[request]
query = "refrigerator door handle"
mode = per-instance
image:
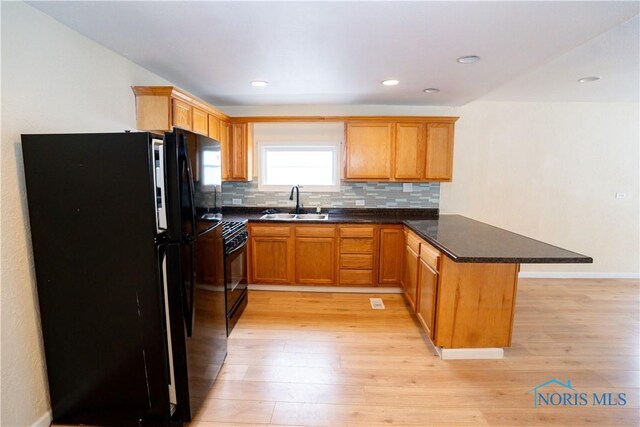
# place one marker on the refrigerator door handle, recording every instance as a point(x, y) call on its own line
point(186, 164)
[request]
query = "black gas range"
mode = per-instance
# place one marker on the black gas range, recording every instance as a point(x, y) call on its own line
point(235, 237)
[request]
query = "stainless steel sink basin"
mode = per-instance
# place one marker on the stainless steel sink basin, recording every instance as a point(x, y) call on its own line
point(294, 217)
point(279, 216)
point(315, 217)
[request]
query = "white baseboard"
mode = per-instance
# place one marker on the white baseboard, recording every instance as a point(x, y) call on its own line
point(470, 353)
point(575, 275)
point(43, 421)
point(343, 289)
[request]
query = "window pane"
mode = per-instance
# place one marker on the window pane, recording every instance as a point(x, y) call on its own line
point(294, 166)
point(211, 167)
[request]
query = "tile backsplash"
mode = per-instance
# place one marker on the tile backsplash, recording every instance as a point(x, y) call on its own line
point(375, 195)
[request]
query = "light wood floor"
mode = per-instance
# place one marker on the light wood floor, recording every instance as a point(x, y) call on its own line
point(310, 359)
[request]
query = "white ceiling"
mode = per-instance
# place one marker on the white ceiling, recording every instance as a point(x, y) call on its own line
point(338, 52)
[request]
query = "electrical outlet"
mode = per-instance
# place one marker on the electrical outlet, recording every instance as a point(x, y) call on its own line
point(236, 201)
point(621, 195)
point(359, 202)
point(407, 187)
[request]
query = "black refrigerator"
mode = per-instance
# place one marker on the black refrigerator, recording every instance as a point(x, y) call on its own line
point(129, 260)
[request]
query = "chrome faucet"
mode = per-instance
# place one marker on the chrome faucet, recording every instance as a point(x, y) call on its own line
point(299, 209)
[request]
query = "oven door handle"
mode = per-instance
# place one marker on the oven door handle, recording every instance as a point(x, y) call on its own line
point(237, 249)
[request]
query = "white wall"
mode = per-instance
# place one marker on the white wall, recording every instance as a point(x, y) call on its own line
point(550, 171)
point(53, 80)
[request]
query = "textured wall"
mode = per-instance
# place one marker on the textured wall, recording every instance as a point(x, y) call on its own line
point(375, 195)
point(551, 171)
point(53, 80)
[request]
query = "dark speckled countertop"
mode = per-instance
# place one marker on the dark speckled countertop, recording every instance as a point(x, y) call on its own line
point(461, 239)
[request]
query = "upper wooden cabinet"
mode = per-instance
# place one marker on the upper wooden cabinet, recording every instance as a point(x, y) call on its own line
point(214, 127)
point(239, 151)
point(368, 151)
point(224, 134)
point(402, 150)
point(409, 151)
point(439, 158)
point(200, 121)
point(182, 115)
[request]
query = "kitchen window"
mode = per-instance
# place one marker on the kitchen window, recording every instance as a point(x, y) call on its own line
point(314, 166)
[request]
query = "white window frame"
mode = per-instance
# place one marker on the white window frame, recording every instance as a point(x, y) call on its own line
point(300, 146)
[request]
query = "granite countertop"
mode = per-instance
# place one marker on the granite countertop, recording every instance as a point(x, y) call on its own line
point(461, 239)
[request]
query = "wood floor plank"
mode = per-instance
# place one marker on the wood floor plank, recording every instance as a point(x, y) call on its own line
point(362, 415)
point(288, 392)
point(235, 411)
point(329, 360)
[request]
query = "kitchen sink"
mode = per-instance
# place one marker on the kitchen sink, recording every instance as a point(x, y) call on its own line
point(279, 216)
point(322, 217)
point(294, 217)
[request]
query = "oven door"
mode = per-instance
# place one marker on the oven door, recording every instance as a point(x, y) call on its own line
point(236, 275)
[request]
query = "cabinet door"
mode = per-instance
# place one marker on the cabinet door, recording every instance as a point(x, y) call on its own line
point(410, 151)
point(439, 158)
point(214, 127)
point(315, 260)
point(410, 279)
point(426, 304)
point(181, 115)
point(271, 259)
point(200, 122)
point(225, 150)
point(368, 151)
point(391, 250)
point(241, 152)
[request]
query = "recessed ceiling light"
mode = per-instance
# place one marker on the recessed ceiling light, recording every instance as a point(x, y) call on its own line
point(589, 79)
point(390, 82)
point(259, 83)
point(431, 90)
point(468, 59)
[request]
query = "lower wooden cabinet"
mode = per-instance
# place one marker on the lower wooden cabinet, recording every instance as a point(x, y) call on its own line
point(357, 249)
point(410, 276)
point(460, 305)
point(315, 255)
point(390, 255)
point(271, 254)
point(427, 293)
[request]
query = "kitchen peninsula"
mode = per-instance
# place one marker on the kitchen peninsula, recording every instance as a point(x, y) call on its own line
point(459, 276)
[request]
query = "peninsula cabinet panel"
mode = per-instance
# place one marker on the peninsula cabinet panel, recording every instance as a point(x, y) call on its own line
point(271, 260)
point(427, 293)
point(200, 122)
point(391, 250)
point(439, 159)
point(315, 260)
point(409, 152)
point(181, 115)
point(368, 151)
point(475, 304)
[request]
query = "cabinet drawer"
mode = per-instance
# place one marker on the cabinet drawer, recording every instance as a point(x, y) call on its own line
point(315, 231)
point(356, 277)
point(430, 255)
point(356, 262)
point(413, 242)
point(270, 231)
point(356, 246)
point(356, 232)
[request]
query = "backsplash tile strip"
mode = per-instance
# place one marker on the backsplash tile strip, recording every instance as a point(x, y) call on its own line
point(375, 195)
